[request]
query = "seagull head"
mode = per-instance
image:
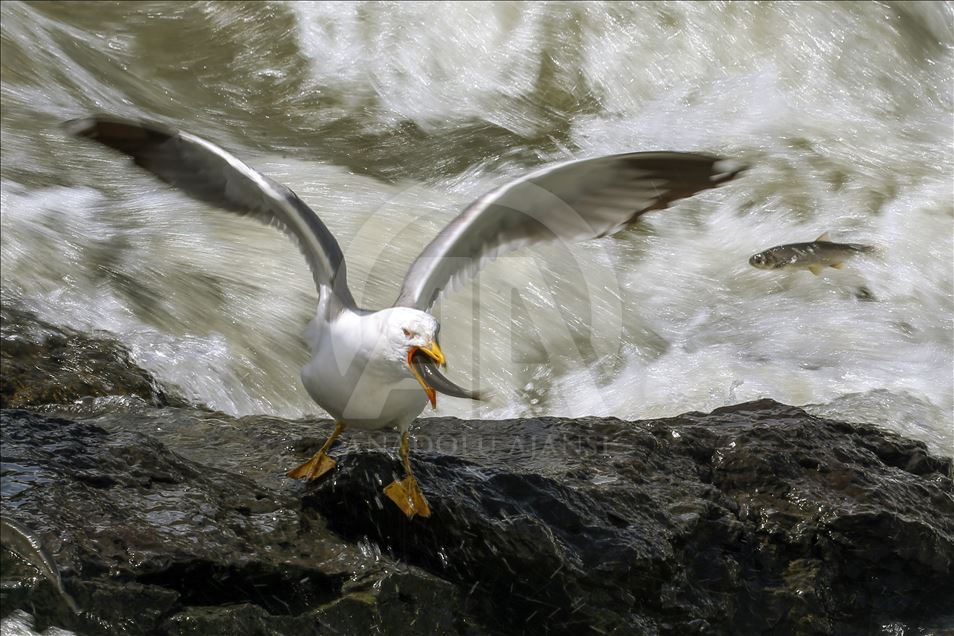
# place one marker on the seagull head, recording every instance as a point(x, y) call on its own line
point(412, 340)
point(412, 336)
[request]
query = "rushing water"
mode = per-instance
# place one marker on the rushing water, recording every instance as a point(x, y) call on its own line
point(388, 118)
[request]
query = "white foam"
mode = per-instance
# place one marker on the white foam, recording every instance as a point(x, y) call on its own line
point(844, 113)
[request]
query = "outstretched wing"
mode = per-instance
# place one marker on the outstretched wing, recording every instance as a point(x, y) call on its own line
point(211, 175)
point(572, 201)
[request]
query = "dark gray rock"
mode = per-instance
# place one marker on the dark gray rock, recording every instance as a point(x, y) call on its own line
point(754, 518)
point(42, 364)
point(151, 543)
point(169, 519)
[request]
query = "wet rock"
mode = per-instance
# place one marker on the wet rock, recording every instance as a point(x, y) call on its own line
point(171, 519)
point(42, 364)
point(754, 518)
point(410, 602)
point(149, 542)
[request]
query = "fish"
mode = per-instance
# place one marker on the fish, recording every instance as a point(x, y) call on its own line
point(22, 542)
point(435, 380)
point(814, 256)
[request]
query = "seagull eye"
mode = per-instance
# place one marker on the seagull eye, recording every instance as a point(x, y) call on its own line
point(409, 334)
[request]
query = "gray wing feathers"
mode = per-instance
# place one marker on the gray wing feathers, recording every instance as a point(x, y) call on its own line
point(211, 175)
point(573, 201)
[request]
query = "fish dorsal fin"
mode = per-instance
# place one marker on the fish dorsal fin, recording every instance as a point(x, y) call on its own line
point(824, 237)
point(815, 269)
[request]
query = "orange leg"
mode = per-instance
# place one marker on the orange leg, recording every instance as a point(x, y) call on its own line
point(406, 493)
point(320, 463)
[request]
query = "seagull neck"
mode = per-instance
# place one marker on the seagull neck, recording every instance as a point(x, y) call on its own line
point(361, 336)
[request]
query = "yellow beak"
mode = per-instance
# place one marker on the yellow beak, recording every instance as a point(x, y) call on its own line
point(433, 351)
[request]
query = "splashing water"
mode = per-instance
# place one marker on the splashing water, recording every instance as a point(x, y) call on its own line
point(388, 119)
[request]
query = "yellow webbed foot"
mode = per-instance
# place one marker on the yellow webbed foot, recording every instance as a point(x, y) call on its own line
point(408, 497)
point(314, 467)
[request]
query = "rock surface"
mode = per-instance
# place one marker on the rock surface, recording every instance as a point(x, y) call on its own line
point(42, 364)
point(150, 542)
point(755, 518)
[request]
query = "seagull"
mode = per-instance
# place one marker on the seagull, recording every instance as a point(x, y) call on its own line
point(368, 367)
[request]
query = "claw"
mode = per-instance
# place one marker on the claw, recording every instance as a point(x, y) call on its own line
point(314, 467)
point(408, 497)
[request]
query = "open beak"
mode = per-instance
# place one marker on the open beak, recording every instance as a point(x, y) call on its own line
point(432, 351)
point(423, 362)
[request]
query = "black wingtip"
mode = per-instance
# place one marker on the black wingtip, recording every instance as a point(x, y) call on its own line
point(128, 136)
